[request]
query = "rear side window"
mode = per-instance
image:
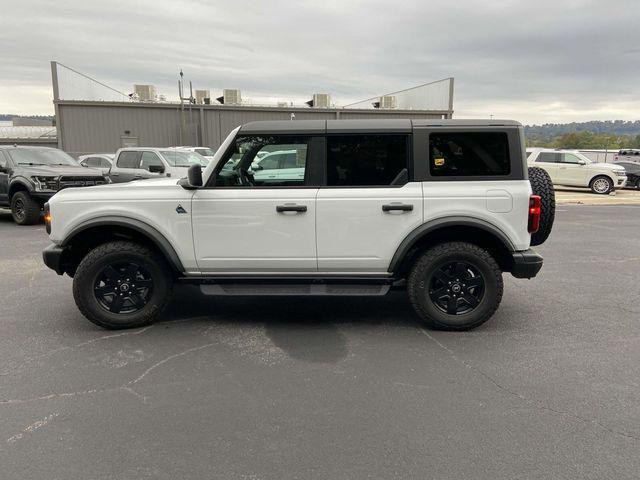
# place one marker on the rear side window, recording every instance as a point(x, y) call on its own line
point(547, 157)
point(128, 159)
point(458, 154)
point(365, 160)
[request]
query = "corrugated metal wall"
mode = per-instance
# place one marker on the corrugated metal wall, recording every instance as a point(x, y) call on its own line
point(90, 127)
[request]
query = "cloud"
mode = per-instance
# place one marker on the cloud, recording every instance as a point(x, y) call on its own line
point(532, 61)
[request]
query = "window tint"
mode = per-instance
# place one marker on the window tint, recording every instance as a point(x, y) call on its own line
point(104, 163)
point(469, 154)
point(150, 158)
point(547, 157)
point(128, 159)
point(265, 161)
point(365, 160)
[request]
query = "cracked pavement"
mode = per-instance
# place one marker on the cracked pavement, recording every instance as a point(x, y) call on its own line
point(268, 388)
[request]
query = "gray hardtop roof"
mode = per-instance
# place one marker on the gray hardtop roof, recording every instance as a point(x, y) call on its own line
point(363, 126)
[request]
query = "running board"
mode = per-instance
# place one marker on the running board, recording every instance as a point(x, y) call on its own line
point(293, 286)
point(283, 289)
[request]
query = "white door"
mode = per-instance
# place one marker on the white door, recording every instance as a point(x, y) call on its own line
point(362, 218)
point(548, 161)
point(571, 171)
point(247, 225)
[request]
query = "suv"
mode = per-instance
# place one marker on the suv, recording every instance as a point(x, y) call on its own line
point(143, 162)
point(571, 168)
point(29, 176)
point(628, 155)
point(633, 173)
point(440, 208)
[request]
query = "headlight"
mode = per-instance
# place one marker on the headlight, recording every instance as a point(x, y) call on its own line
point(620, 173)
point(45, 183)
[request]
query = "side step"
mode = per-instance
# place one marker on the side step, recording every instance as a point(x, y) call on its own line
point(340, 290)
point(293, 286)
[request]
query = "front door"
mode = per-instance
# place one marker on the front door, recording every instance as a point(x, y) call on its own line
point(367, 207)
point(571, 171)
point(247, 225)
point(125, 166)
point(4, 179)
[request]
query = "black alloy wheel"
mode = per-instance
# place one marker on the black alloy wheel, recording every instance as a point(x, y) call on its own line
point(456, 288)
point(123, 288)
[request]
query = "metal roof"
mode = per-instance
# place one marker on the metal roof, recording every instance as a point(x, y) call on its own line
point(28, 132)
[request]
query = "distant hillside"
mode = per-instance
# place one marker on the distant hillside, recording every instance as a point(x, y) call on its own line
point(550, 132)
point(25, 120)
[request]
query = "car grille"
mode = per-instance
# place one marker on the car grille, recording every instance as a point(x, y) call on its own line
point(67, 182)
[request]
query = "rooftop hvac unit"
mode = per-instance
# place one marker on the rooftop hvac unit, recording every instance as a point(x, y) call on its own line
point(230, 97)
point(145, 93)
point(386, 101)
point(203, 97)
point(320, 100)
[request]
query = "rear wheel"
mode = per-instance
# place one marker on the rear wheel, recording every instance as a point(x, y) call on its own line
point(455, 286)
point(601, 185)
point(24, 209)
point(122, 285)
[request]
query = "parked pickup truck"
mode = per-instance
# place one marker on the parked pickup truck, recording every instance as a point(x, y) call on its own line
point(439, 208)
point(573, 169)
point(143, 163)
point(29, 176)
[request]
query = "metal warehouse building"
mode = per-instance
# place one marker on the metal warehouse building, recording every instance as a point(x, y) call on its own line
point(93, 117)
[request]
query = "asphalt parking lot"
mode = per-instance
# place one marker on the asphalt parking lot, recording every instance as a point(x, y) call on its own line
point(338, 388)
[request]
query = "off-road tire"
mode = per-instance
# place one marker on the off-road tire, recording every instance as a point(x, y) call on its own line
point(542, 186)
point(24, 209)
point(94, 263)
point(420, 280)
point(601, 177)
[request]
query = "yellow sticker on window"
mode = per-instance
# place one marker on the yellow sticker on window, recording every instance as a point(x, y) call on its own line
point(438, 162)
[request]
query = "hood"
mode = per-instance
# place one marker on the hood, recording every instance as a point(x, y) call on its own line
point(147, 183)
point(58, 170)
point(610, 166)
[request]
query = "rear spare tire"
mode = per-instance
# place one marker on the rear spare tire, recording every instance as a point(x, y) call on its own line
point(542, 186)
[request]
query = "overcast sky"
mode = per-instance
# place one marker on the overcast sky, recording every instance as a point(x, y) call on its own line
point(533, 61)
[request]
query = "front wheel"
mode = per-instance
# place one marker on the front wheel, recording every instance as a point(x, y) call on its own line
point(122, 285)
point(601, 185)
point(455, 286)
point(24, 209)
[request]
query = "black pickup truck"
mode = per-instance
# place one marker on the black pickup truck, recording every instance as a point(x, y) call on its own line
point(29, 176)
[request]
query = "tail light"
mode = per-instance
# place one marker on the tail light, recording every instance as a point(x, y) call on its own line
point(535, 208)
point(47, 217)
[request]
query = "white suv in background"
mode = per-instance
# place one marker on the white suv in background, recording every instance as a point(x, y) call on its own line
point(571, 168)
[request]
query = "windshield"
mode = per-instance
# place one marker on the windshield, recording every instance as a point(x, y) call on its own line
point(37, 156)
point(183, 159)
point(206, 152)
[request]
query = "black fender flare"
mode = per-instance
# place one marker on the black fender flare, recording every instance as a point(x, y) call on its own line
point(158, 239)
point(23, 182)
point(439, 223)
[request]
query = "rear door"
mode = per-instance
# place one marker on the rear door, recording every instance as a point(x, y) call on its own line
point(549, 162)
point(366, 209)
point(125, 166)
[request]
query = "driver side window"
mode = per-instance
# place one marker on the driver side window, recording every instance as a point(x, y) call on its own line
point(265, 161)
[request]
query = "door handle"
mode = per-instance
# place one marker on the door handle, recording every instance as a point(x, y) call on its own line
point(291, 208)
point(401, 207)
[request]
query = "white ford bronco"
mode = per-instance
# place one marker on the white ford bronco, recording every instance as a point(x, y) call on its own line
point(440, 208)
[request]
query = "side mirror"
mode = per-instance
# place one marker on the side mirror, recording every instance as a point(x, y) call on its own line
point(194, 178)
point(84, 165)
point(156, 168)
point(581, 162)
point(257, 167)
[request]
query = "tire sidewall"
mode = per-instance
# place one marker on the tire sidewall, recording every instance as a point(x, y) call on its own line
point(86, 277)
point(27, 205)
point(424, 274)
